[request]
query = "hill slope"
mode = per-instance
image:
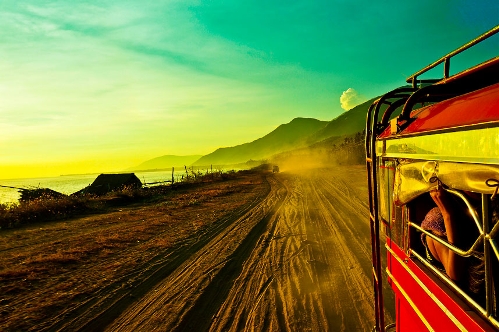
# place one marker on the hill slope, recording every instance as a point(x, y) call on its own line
point(340, 142)
point(348, 123)
point(287, 136)
point(295, 135)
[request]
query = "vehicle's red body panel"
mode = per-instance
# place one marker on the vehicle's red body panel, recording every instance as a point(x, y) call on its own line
point(474, 108)
point(437, 304)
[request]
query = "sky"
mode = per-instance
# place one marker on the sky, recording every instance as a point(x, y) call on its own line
point(100, 86)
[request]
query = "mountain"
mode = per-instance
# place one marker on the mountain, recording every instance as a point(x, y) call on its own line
point(167, 161)
point(348, 123)
point(285, 137)
point(296, 135)
point(340, 142)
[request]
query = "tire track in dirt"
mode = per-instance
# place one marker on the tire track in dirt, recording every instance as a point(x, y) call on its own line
point(311, 269)
point(342, 251)
point(344, 196)
point(108, 303)
point(188, 294)
point(298, 260)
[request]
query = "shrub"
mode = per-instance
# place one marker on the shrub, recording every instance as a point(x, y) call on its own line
point(42, 209)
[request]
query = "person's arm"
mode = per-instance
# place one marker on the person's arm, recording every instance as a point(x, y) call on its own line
point(454, 264)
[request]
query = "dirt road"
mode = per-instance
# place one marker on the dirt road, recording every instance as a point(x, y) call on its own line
point(298, 261)
point(296, 257)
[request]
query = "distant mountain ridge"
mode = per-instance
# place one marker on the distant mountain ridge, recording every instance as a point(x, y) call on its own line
point(298, 134)
point(348, 123)
point(286, 136)
point(166, 161)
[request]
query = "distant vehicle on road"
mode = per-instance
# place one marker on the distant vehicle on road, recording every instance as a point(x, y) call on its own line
point(275, 169)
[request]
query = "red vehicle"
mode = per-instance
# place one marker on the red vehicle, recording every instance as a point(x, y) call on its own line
point(436, 134)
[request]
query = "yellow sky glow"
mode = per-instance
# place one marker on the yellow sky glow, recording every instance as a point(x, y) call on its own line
point(103, 86)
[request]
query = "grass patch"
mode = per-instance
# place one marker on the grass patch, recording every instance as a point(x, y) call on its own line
point(49, 208)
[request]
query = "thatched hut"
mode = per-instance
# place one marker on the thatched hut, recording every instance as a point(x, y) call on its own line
point(105, 183)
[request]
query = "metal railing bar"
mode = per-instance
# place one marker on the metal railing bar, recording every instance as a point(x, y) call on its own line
point(472, 211)
point(489, 291)
point(447, 57)
point(495, 247)
point(460, 252)
point(494, 231)
point(453, 286)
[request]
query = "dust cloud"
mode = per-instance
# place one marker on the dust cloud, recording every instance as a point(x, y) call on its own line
point(342, 151)
point(305, 159)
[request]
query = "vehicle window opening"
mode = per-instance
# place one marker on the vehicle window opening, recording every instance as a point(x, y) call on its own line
point(477, 247)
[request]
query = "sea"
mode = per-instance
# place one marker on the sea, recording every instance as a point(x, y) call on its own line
point(68, 184)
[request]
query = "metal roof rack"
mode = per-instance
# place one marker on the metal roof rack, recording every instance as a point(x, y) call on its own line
point(413, 79)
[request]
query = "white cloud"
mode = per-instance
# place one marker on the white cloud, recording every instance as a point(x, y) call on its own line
point(350, 98)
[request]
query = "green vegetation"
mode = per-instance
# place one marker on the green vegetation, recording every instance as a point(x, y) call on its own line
point(351, 151)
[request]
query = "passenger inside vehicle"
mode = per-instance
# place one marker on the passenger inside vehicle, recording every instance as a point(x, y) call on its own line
point(450, 221)
point(447, 222)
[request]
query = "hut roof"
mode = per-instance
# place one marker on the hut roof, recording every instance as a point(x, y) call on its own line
point(105, 183)
point(117, 179)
